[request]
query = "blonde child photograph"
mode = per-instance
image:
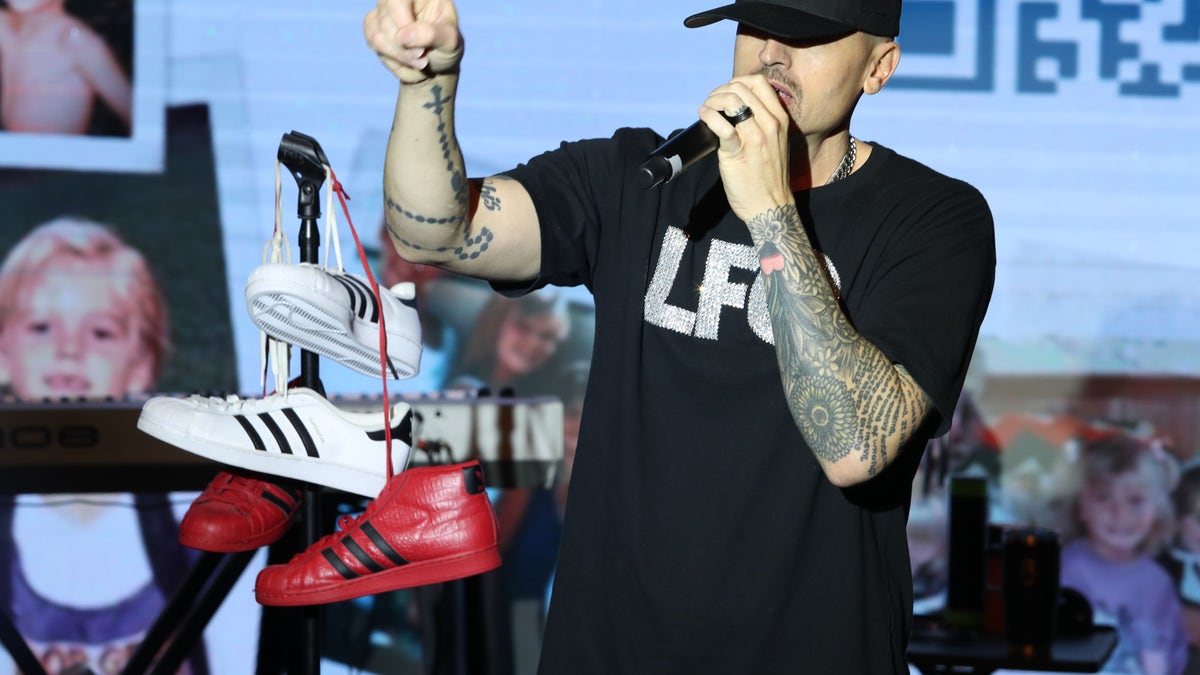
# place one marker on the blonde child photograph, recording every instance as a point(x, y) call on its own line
point(55, 69)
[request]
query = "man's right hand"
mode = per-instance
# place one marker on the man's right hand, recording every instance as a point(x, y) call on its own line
point(415, 39)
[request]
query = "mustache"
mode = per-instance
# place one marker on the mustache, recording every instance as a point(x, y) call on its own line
point(776, 74)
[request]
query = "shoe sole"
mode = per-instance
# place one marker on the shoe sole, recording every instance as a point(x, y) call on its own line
point(332, 331)
point(411, 575)
point(319, 471)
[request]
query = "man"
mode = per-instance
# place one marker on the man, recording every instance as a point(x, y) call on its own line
point(781, 330)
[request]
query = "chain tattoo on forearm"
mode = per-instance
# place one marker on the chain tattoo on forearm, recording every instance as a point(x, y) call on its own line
point(472, 246)
point(842, 391)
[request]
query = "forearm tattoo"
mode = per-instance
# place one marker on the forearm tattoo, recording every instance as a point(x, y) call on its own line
point(472, 245)
point(487, 195)
point(843, 393)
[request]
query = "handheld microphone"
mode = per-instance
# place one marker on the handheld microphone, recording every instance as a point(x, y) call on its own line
point(683, 150)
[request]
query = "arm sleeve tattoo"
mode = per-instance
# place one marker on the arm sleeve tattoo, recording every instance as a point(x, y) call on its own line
point(844, 394)
point(471, 244)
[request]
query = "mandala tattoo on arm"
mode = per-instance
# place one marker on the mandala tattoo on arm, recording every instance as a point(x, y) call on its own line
point(844, 394)
point(472, 245)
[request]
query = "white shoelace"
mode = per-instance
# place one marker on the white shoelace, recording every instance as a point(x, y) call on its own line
point(232, 403)
point(277, 250)
point(271, 351)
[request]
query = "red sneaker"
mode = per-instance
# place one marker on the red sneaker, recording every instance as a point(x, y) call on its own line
point(238, 513)
point(430, 524)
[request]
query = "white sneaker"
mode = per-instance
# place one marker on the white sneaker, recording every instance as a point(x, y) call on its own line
point(298, 435)
point(334, 314)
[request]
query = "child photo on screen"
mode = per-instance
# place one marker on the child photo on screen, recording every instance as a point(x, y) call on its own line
point(53, 67)
point(81, 317)
point(1182, 558)
point(1121, 519)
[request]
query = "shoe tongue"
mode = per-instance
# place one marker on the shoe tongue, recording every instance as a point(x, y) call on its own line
point(240, 482)
point(392, 485)
point(297, 383)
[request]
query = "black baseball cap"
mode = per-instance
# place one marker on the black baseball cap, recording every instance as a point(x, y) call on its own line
point(808, 20)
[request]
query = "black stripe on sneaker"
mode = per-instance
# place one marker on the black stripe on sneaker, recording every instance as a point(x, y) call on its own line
point(382, 545)
point(401, 432)
point(339, 566)
point(283, 506)
point(362, 555)
point(280, 439)
point(360, 290)
point(358, 297)
point(302, 431)
point(255, 439)
point(368, 298)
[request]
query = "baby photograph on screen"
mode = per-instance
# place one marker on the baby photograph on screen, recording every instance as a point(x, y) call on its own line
point(67, 67)
point(81, 84)
point(112, 287)
point(147, 246)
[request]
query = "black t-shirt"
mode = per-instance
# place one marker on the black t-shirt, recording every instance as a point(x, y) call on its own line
point(701, 535)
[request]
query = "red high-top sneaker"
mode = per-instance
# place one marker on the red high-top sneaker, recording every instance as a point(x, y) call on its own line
point(429, 525)
point(237, 512)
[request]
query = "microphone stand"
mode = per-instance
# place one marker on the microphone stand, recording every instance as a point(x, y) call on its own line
point(303, 157)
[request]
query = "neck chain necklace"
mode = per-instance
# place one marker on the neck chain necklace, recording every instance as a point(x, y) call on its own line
point(847, 164)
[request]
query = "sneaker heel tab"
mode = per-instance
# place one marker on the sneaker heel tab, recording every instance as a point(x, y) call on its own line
point(405, 290)
point(473, 479)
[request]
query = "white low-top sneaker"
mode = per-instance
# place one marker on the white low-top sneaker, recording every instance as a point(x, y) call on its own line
point(298, 435)
point(335, 314)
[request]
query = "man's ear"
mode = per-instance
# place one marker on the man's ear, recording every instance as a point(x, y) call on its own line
point(885, 56)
